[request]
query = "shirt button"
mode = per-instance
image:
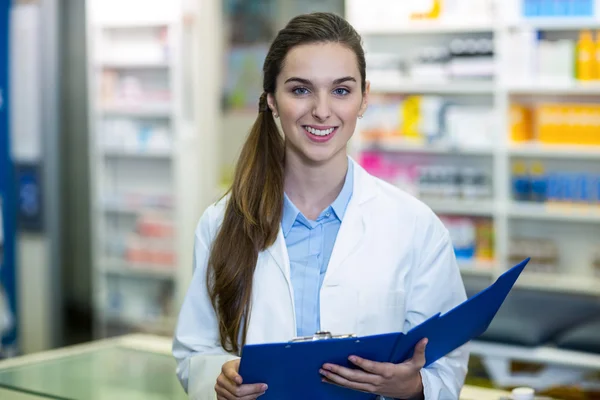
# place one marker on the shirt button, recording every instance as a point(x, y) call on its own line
point(327, 214)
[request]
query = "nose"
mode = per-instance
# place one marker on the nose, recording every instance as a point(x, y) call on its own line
point(321, 108)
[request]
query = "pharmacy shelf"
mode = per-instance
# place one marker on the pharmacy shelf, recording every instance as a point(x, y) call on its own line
point(559, 283)
point(451, 87)
point(432, 28)
point(139, 111)
point(134, 64)
point(510, 85)
point(558, 212)
point(405, 146)
point(152, 154)
point(557, 24)
point(175, 51)
point(574, 152)
point(482, 208)
point(123, 268)
point(557, 89)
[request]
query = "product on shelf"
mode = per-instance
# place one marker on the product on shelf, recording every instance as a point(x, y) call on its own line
point(548, 60)
point(535, 184)
point(427, 120)
point(553, 8)
point(149, 251)
point(430, 181)
point(127, 89)
point(472, 239)
point(574, 124)
point(135, 136)
point(521, 123)
point(543, 253)
point(447, 182)
point(137, 200)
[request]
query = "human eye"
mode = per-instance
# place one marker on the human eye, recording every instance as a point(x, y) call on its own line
point(341, 92)
point(300, 91)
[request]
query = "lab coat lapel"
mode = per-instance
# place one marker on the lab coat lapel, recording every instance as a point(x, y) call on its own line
point(278, 251)
point(348, 239)
point(354, 224)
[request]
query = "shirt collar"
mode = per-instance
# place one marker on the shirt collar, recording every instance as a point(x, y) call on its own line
point(339, 206)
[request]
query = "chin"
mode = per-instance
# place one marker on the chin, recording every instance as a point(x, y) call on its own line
point(320, 156)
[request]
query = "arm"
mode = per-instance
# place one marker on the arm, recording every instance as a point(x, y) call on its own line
point(436, 286)
point(196, 343)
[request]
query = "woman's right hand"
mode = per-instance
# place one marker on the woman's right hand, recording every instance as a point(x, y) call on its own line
point(229, 384)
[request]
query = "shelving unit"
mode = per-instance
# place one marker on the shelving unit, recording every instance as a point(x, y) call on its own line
point(152, 124)
point(571, 225)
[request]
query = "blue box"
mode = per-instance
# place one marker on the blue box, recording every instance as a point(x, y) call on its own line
point(546, 8)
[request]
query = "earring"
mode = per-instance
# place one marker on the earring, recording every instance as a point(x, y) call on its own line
point(360, 116)
point(276, 115)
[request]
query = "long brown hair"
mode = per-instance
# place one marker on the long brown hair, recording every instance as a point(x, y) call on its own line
point(255, 206)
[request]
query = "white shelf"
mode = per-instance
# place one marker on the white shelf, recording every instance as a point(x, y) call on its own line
point(482, 208)
point(559, 283)
point(433, 28)
point(120, 179)
point(558, 212)
point(574, 223)
point(123, 268)
point(134, 64)
point(558, 23)
point(141, 111)
point(566, 89)
point(452, 87)
point(124, 209)
point(164, 154)
point(574, 152)
point(404, 146)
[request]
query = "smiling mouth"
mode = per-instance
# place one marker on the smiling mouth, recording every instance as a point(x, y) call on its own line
point(318, 132)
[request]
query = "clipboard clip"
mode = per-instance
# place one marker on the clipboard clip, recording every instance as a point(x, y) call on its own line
point(321, 335)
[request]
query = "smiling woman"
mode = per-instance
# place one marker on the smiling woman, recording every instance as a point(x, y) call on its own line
point(306, 240)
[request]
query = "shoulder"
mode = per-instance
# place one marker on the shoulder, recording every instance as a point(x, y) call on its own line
point(211, 219)
point(404, 210)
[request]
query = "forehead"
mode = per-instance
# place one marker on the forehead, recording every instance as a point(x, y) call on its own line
point(320, 63)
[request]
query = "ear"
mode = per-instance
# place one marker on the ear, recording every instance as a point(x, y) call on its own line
point(365, 100)
point(272, 103)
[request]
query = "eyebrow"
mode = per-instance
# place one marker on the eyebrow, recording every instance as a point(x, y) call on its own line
point(308, 82)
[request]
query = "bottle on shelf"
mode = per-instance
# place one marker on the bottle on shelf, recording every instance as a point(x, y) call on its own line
point(585, 56)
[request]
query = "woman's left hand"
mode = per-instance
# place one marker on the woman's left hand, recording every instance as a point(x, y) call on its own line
point(398, 381)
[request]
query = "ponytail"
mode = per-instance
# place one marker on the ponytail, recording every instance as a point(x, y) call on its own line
point(250, 225)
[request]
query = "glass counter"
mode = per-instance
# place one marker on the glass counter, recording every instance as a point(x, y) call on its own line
point(112, 370)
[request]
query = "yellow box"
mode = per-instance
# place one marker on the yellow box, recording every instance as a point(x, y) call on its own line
point(521, 129)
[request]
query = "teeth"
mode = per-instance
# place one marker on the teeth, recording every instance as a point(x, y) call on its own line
point(318, 132)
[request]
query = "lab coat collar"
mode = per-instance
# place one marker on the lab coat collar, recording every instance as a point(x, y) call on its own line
point(351, 231)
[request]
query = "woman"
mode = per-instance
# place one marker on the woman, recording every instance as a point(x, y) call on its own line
point(307, 240)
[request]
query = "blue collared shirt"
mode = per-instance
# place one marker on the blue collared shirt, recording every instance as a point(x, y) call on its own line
point(309, 245)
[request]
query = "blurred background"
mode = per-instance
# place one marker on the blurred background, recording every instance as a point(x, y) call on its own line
point(120, 121)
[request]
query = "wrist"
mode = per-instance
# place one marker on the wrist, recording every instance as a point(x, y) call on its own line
point(418, 392)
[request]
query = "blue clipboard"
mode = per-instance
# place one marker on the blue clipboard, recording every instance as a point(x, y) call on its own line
point(291, 369)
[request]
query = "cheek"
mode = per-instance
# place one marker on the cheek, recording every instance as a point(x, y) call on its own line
point(291, 110)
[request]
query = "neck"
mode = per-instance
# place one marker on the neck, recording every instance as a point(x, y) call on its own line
point(313, 187)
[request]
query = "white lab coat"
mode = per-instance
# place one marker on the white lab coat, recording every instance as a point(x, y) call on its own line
point(392, 267)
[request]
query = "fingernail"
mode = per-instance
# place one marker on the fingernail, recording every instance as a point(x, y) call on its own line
point(426, 341)
point(238, 380)
point(352, 358)
point(264, 388)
